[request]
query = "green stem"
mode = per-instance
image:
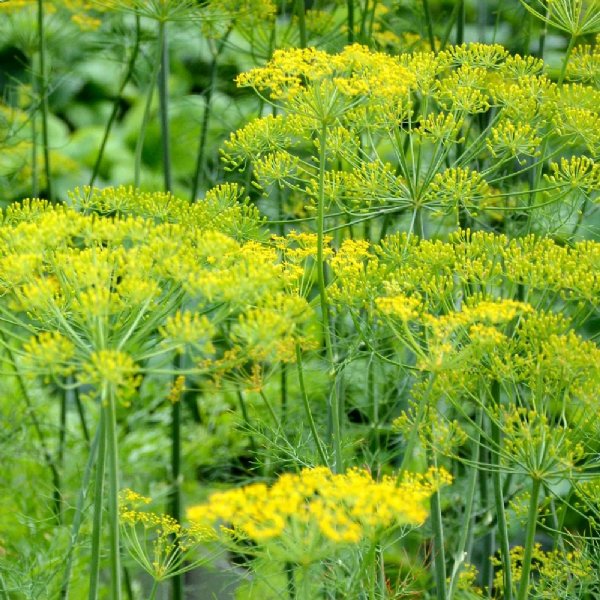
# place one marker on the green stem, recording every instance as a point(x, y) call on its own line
point(200, 159)
point(439, 554)
point(460, 23)
point(246, 418)
point(290, 580)
point(52, 466)
point(175, 508)
point(98, 506)
point(115, 109)
point(43, 91)
point(467, 524)
point(163, 98)
point(563, 70)
point(34, 149)
point(309, 416)
point(112, 452)
point(499, 496)
point(300, 11)
point(139, 146)
point(529, 539)
point(350, 10)
point(78, 517)
point(429, 24)
point(153, 590)
point(334, 408)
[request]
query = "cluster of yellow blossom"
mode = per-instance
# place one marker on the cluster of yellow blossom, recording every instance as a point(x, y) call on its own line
point(171, 542)
point(316, 508)
point(106, 292)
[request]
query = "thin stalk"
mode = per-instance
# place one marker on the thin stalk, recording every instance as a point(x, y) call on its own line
point(43, 91)
point(499, 497)
point(78, 517)
point(60, 453)
point(163, 98)
point(98, 502)
point(563, 70)
point(350, 11)
point(429, 24)
point(246, 418)
point(283, 384)
point(466, 529)
point(536, 486)
point(439, 554)
point(290, 580)
point(200, 158)
point(460, 23)
point(309, 416)
point(52, 466)
point(115, 109)
point(34, 148)
point(300, 11)
point(154, 590)
point(84, 427)
point(112, 453)
point(325, 316)
point(139, 146)
point(175, 496)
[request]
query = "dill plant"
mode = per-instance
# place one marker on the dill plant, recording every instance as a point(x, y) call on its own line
point(433, 210)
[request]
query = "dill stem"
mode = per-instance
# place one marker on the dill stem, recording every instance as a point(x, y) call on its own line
point(350, 12)
point(53, 468)
point(300, 11)
point(113, 492)
point(309, 416)
point(429, 24)
point(536, 487)
point(77, 518)
point(439, 554)
point(34, 149)
point(139, 146)
point(115, 108)
point(563, 70)
point(499, 497)
point(200, 158)
point(97, 511)
point(466, 530)
point(333, 400)
point(460, 23)
point(163, 99)
point(43, 92)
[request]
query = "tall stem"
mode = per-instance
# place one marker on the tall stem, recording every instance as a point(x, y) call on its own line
point(139, 146)
point(439, 554)
point(429, 24)
point(300, 11)
point(78, 517)
point(350, 10)
point(307, 409)
point(112, 453)
point(499, 496)
point(43, 91)
point(529, 539)
point(115, 109)
point(98, 506)
point(163, 97)
point(333, 399)
point(563, 70)
point(200, 158)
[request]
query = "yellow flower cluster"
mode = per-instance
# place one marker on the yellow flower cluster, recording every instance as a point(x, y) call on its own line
point(171, 542)
point(316, 507)
point(108, 291)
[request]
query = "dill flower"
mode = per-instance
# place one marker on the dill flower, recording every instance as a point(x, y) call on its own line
point(156, 541)
point(306, 516)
